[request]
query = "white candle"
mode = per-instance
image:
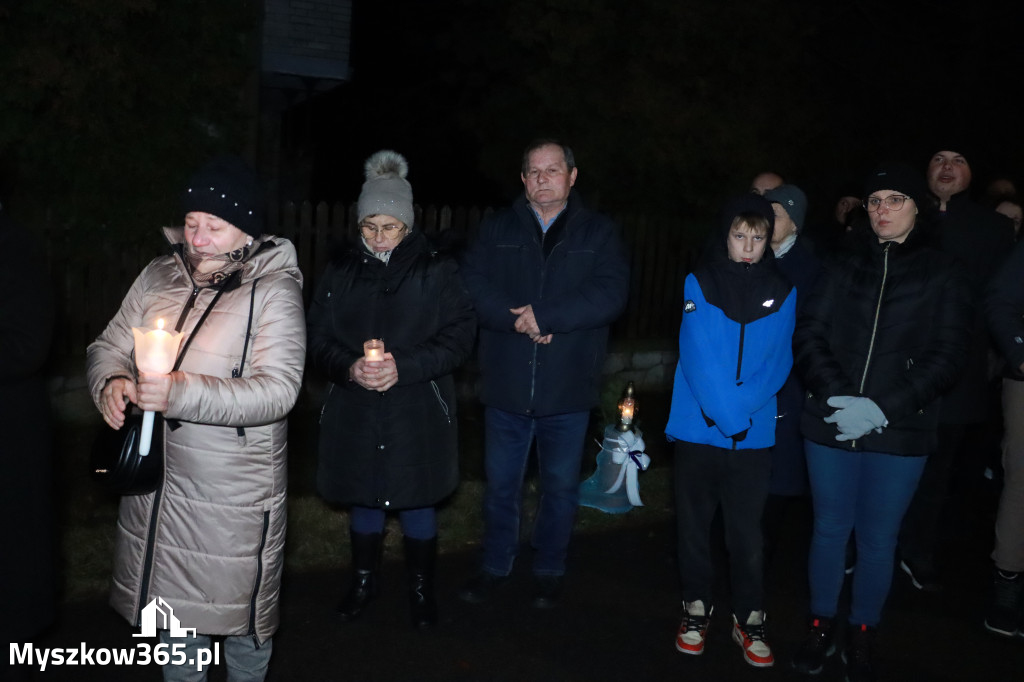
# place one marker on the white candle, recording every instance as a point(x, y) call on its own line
point(155, 351)
point(373, 350)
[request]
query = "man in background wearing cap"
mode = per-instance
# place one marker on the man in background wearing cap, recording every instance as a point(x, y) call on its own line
point(796, 261)
point(979, 239)
point(547, 278)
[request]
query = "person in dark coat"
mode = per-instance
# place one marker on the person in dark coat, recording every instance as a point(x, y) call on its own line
point(547, 277)
point(27, 575)
point(1004, 307)
point(979, 239)
point(388, 431)
point(882, 336)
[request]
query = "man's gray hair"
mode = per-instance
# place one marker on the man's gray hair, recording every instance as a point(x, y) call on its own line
point(570, 160)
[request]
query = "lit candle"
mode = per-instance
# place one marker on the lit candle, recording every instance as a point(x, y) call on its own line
point(373, 350)
point(155, 351)
point(627, 410)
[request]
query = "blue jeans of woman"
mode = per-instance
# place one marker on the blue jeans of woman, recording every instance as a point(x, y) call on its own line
point(559, 455)
point(864, 491)
point(417, 524)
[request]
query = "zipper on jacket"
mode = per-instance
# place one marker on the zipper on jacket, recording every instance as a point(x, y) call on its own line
point(444, 405)
point(259, 579)
point(874, 325)
point(739, 359)
point(540, 293)
point(147, 560)
point(323, 408)
point(189, 305)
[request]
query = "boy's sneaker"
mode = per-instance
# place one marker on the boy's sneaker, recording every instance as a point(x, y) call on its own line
point(923, 575)
point(817, 646)
point(694, 628)
point(750, 637)
point(1003, 616)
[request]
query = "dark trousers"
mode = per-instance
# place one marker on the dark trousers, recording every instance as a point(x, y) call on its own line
point(707, 477)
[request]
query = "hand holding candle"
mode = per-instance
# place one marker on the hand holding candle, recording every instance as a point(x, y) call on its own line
point(155, 352)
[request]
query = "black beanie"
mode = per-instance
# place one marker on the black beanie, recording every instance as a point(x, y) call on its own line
point(899, 177)
point(228, 188)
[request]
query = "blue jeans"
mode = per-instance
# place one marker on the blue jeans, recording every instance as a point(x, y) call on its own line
point(559, 455)
point(866, 491)
point(417, 524)
point(245, 662)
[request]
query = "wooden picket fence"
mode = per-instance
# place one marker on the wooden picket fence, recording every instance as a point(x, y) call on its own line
point(89, 283)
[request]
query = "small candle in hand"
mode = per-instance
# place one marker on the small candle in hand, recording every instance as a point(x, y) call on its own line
point(373, 350)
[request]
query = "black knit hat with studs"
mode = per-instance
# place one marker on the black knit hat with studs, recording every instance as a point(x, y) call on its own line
point(228, 188)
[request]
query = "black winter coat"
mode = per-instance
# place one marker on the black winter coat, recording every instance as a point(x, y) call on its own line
point(890, 322)
point(397, 449)
point(1004, 309)
point(979, 239)
point(28, 581)
point(576, 277)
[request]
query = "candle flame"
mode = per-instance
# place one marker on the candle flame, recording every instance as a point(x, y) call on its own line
point(160, 323)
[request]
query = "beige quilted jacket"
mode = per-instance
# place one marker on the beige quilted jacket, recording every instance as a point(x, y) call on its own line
point(210, 541)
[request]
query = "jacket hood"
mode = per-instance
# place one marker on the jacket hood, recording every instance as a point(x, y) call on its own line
point(272, 255)
point(718, 249)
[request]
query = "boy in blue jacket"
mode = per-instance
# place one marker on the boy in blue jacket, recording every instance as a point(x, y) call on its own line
point(734, 355)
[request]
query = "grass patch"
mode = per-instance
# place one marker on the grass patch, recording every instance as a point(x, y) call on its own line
point(317, 533)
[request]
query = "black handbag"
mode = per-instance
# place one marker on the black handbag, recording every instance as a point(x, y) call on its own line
point(116, 463)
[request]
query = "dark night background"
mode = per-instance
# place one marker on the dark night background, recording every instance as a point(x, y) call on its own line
point(670, 104)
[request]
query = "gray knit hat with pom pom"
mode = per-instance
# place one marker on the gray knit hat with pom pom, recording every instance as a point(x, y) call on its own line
point(386, 191)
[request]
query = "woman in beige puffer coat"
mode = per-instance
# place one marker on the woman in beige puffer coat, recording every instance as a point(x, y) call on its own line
point(209, 541)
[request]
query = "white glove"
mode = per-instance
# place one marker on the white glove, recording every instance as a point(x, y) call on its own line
point(855, 417)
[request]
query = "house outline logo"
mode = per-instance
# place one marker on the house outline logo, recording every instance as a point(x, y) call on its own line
point(159, 610)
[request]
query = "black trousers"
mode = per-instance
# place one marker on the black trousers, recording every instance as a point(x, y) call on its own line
point(707, 478)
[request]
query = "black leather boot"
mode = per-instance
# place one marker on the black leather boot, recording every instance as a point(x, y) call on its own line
point(365, 567)
point(420, 557)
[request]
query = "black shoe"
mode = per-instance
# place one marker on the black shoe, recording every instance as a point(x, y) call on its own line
point(365, 560)
point(420, 557)
point(481, 587)
point(1004, 616)
point(858, 654)
point(923, 575)
point(547, 591)
point(362, 592)
point(817, 646)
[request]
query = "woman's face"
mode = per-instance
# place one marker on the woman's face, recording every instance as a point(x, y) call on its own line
point(209, 235)
point(891, 223)
point(382, 232)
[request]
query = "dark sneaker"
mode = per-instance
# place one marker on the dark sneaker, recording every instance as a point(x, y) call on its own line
point(1003, 616)
point(923, 575)
point(694, 628)
point(481, 587)
point(750, 637)
point(817, 646)
point(858, 655)
point(547, 591)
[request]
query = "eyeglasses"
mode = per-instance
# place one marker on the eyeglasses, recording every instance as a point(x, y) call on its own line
point(390, 230)
point(893, 202)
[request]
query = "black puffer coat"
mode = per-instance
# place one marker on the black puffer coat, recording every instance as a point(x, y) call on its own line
point(397, 449)
point(890, 322)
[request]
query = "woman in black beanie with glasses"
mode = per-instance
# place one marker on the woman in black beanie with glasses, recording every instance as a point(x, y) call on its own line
point(882, 336)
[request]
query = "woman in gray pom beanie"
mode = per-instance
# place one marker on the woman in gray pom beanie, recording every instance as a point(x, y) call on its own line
point(388, 429)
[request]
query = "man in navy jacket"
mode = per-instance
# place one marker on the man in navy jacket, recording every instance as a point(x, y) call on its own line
point(547, 278)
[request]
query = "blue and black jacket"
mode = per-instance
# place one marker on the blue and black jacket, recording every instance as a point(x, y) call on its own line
point(735, 346)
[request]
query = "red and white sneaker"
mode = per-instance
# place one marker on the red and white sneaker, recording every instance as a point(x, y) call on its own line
point(694, 628)
point(750, 637)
